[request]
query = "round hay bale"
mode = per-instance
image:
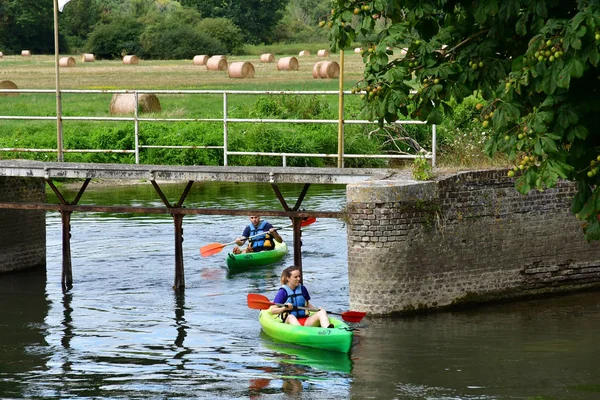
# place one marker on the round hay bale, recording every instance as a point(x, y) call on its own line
point(216, 63)
point(241, 69)
point(323, 53)
point(26, 53)
point(288, 64)
point(124, 103)
point(316, 69)
point(304, 53)
point(357, 50)
point(201, 59)
point(132, 60)
point(87, 57)
point(326, 70)
point(67, 62)
point(8, 85)
point(267, 58)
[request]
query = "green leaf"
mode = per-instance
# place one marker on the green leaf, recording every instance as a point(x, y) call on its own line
point(436, 116)
point(480, 13)
point(521, 26)
point(594, 57)
point(548, 84)
point(548, 145)
point(537, 148)
point(545, 116)
point(347, 16)
point(576, 67)
point(512, 111)
point(580, 131)
point(564, 77)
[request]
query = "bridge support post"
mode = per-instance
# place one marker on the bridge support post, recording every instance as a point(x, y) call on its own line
point(178, 221)
point(67, 267)
point(179, 271)
point(298, 244)
point(296, 223)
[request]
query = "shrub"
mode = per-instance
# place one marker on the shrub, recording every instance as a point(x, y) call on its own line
point(115, 38)
point(224, 31)
point(177, 43)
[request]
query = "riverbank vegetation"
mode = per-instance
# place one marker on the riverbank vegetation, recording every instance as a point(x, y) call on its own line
point(460, 140)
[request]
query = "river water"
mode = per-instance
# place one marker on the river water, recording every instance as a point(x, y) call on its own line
point(123, 332)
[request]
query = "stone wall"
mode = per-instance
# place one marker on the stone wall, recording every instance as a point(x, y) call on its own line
point(22, 232)
point(467, 238)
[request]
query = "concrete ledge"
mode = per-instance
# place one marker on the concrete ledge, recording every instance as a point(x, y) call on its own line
point(27, 168)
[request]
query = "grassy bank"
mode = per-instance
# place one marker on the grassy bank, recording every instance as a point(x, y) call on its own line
point(37, 72)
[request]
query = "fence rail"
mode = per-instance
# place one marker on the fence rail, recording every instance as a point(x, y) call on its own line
point(225, 120)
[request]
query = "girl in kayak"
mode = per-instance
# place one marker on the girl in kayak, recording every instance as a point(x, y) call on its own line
point(293, 294)
point(261, 242)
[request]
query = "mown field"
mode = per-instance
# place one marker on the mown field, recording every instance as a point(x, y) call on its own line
point(38, 72)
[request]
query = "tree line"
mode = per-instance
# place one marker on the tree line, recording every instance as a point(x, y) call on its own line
point(158, 29)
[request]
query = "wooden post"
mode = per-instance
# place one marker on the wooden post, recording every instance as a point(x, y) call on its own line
point(298, 245)
point(179, 274)
point(67, 269)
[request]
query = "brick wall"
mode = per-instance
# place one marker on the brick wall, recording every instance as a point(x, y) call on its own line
point(22, 232)
point(467, 238)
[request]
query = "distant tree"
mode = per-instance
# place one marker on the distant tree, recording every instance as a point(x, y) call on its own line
point(257, 19)
point(224, 31)
point(300, 22)
point(77, 21)
point(113, 40)
point(27, 24)
point(179, 34)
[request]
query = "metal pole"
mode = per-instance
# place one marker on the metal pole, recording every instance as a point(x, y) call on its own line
point(137, 130)
point(433, 144)
point(224, 129)
point(341, 114)
point(59, 133)
point(67, 269)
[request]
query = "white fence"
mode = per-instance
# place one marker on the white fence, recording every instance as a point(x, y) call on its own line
point(136, 119)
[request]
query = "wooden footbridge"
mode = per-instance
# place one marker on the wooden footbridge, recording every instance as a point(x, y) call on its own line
point(85, 172)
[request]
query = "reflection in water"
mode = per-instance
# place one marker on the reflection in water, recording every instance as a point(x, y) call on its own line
point(181, 327)
point(23, 309)
point(67, 320)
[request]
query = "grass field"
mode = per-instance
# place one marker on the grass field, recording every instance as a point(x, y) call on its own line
point(38, 72)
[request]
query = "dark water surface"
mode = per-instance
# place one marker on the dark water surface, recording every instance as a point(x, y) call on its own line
point(122, 332)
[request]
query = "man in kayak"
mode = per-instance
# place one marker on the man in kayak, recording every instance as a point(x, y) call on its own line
point(260, 242)
point(293, 294)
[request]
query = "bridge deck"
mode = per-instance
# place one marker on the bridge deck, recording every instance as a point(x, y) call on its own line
point(49, 170)
point(191, 174)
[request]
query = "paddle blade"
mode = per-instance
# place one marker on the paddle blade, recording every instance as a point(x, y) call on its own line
point(258, 301)
point(211, 249)
point(353, 316)
point(308, 221)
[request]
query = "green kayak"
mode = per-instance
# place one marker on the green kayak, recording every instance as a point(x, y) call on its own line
point(249, 260)
point(338, 338)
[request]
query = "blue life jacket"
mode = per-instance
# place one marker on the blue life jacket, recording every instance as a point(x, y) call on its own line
point(262, 242)
point(296, 299)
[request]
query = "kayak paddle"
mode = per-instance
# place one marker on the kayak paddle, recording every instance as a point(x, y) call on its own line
point(215, 248)
point(260, 302)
